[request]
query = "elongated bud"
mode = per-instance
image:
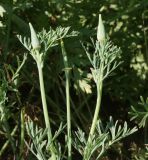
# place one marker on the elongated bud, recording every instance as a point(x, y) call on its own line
point(101, 30)
point(34, 39)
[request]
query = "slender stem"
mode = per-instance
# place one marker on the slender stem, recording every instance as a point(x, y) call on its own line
point(98, 104)
point(22, 135)
point(67, 100)
point(96, 114)
point(22, 125)
point(43, 96)
point(45, 110)
point(68, 116)
point(94, 122)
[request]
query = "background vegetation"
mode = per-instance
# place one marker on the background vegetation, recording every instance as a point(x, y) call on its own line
point(126, 25)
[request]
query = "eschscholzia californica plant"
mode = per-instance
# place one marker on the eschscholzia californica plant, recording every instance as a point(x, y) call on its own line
point(33, 45)
point(104, 62)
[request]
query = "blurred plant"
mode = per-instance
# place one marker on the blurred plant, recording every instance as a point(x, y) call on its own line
point(139, 113)
point(142, 155)
point(4, 111)
point(139, 153)
point(6, 105)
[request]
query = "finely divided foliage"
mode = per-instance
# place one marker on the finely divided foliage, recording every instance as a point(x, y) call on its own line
point(44, 144)
point(49, 38)
point(140, 112)
point(50, 76)
point(104, 137)
point(105, 56)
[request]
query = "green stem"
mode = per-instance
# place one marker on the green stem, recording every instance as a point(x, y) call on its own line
point(22, 125)
point(45, 110)
point(68, 116)
point(67, 100)
point(22, 135)
point(96, 114)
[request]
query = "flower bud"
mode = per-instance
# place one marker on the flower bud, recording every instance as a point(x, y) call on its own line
point(34, 39)
point(101, 30)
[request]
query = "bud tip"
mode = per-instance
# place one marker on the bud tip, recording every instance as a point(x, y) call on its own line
point(34, 39)
point(101, 30)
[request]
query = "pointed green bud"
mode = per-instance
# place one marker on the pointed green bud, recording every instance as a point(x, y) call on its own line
point(34, 39)
point(101, 30)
